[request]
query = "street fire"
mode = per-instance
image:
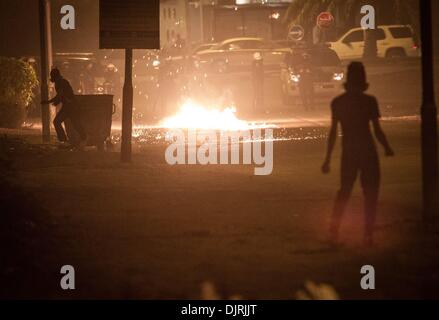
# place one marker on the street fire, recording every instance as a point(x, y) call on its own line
point(195, 116)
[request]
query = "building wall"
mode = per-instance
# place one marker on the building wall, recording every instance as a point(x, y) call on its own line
point(249, 21)
point(172, 21)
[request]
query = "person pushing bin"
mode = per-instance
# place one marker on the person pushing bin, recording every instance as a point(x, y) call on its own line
point(69, 109)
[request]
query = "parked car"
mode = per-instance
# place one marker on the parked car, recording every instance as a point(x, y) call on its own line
point(202, 47)
point(326, 71)
point(237, 54)
point(393, 41)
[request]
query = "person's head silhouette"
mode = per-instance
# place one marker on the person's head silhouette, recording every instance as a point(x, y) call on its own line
point(356, 78)
point(55, 75)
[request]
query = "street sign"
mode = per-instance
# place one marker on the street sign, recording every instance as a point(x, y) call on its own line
point(129, 24)
point(296, 33)
point(325, 20)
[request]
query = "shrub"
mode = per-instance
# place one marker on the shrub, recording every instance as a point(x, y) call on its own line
point(17, 81)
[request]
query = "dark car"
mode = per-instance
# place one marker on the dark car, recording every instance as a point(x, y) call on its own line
point(237, 54)
point(326, 70)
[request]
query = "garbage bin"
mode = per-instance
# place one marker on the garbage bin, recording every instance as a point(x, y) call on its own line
point(96, 112)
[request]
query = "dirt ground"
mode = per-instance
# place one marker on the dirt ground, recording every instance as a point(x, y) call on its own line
point(148, 230)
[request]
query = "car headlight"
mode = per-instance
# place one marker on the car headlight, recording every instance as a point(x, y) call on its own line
point(338, 76)
point(295, 77)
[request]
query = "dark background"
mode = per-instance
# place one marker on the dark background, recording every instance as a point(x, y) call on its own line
point(19, 30)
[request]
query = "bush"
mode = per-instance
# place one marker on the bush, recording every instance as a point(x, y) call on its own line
point(17, 81)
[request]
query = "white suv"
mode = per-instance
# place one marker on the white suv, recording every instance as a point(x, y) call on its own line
point(393, 41)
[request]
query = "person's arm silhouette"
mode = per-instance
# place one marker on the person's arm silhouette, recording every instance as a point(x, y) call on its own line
point(381, 137)
point(55, 100)
point(379, 133)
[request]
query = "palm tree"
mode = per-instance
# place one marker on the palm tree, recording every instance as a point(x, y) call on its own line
point(304, 12)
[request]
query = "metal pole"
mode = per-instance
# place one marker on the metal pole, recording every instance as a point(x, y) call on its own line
point(127, 107)
point(45, 112)
point(428, 116)
point(49, 35)
point(49, 54)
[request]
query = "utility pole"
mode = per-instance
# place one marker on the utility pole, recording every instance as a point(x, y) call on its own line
point(44, 64)
point(428, 117)
point(127, 107)
point(49, 36)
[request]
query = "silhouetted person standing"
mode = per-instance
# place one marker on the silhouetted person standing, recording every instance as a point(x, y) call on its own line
point(306, 83)
point(355, 110)
point(69, 110)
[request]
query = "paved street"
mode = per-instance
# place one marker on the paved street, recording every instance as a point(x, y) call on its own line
point(247, 236)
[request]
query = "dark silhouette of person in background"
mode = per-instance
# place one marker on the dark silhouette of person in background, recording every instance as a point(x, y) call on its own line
point(355, 110)
point(88, 79)
point(306, 83)
point(69, 110)
point(73, 74)
point(258, 81)
point(167, 96)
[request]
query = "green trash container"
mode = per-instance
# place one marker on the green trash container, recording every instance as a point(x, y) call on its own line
point(96, 113)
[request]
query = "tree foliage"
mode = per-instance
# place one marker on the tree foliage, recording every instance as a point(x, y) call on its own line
point(17, 82)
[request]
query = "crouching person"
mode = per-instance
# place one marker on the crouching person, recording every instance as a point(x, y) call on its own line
point(69, 109)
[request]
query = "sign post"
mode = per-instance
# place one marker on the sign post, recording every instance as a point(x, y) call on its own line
point(45, 65)
point(296, 33)
point(129, 24)
point(127, 108)
point(325, 20)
